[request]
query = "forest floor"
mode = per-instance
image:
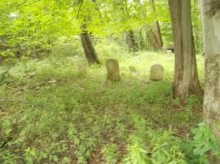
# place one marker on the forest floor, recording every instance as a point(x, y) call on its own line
point(51, 114)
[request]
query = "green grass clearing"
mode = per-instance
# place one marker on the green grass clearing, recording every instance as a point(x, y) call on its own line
point(50, 114)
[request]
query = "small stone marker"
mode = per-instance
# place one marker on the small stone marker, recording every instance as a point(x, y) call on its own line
point(113, 72)
point(156, 72)
point(81, 69)
point(132, 70)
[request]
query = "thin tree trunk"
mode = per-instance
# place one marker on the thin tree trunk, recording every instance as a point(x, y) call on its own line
point(154, 32)
point(86, 41)
point(141, 40)
point(88, 48)
point(211, 26)
point(151, 35)
point(158, 34)
point(186, 81)
point(157, 29)
point(130, 38)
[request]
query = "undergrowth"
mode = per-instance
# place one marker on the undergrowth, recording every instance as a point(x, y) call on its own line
point(51, 114)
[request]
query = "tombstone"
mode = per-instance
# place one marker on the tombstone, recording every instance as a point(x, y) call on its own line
point(81, 69)
point(132, 70)
point(156, 72)
point(113, 72)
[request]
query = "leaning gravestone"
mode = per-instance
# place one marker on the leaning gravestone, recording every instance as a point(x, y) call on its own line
point(113, 72)
point(156, 72)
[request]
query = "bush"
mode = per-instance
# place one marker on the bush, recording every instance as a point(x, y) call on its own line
point(64, 47)
point(203, 144)
point(110, 49)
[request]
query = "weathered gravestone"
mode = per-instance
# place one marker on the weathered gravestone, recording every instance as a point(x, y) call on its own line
point(113, 72)
point(133, 71)
point(81, 69)
point(156, 72)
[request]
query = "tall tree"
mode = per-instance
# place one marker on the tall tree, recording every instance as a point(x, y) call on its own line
point(89, 49)
point(131, 41)
point(130, 34)
point(154, 33)
point(186, 79)
point(211, 26)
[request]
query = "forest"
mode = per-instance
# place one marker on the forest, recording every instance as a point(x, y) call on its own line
point(109, 81)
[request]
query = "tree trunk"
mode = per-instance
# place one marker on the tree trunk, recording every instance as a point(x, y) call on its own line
point(186, 79)
point(88, 48)
point(130, 38)
point(157, 29)
point(153, 39)
point(211, 26)
point(154, 33)
point(158, 34)
point(141, 40)
point(86, 41)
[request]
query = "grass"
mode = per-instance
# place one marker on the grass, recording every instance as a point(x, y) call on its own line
point(50, 114)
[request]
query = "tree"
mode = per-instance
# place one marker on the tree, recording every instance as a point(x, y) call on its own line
point(154, 33)
point(130, 35)
point(211, 26)
point(89, 49)
point(186, 79)
point(197, 26)
point(24, 29)
point(130, 38)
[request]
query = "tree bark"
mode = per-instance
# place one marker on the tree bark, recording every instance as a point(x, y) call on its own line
point(211, 26)
point(131, 41)
point(141, 40)
point(86, 41)
point(186, 79)
point(157, 29)
point(88, 48)
point(154, 32)
point(158, 34)
point(130, 37)
point(153, 39)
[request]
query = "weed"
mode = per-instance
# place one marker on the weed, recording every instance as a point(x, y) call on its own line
point(111, 153)
point(203, 144)
point(51, 115)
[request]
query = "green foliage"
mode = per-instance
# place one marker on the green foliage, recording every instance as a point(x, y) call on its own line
point(193, 100)
point(166, 149)
point(31, 27)
point(203, 144)
point(50, 114)
point(197, 26)
point(110, 153)
point(108, 48)
point(149, 146)
point(64, 47)
point(136, 153)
